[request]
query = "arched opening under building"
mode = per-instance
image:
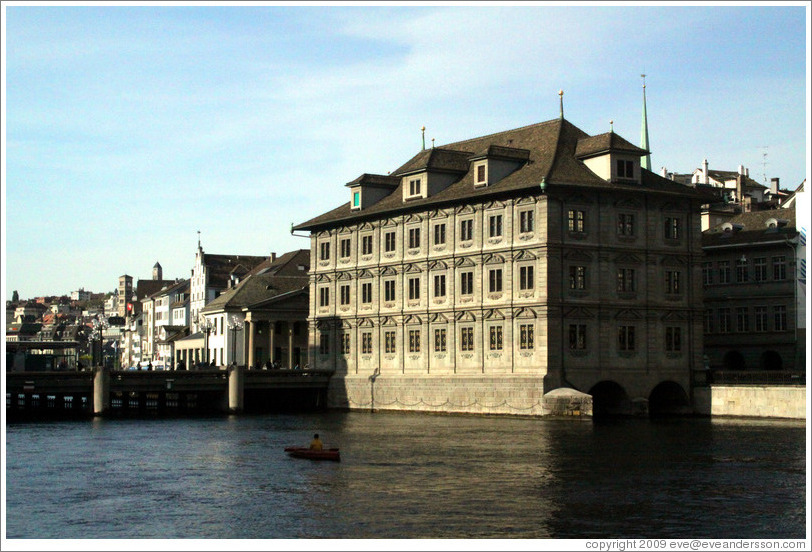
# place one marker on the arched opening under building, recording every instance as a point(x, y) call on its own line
point(771, 360)
point(733, 361)
point(668, 398)
point(610, 399)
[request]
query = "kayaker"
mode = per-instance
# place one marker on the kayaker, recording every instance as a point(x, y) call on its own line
point(316, 444)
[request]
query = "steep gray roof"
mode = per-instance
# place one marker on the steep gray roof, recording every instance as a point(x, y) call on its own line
point(552, 156)
point(753, 228)
point(255, 289)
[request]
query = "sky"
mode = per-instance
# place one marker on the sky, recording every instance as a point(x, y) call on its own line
point(129, 128)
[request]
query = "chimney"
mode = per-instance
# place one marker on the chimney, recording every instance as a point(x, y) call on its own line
point(747, 172)
point(774, 186)
point(273, 256)
point(664, 172)
point(705, 172)
point(741, 170)
point(740, 190)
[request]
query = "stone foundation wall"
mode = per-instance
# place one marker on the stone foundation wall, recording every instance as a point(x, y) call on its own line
point(507, 395)
point(759, 401)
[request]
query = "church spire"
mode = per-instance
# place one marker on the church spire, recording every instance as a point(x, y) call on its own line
point(646, 161)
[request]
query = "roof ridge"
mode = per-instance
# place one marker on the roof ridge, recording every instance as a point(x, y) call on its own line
point(502, 132)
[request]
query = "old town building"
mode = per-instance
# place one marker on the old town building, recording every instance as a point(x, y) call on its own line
point(485, 273)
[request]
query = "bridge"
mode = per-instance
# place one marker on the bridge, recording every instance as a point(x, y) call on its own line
point(102, 392)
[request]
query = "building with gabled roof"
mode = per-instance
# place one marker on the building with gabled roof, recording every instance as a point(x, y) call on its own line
point(484, 273)
point(264, 318)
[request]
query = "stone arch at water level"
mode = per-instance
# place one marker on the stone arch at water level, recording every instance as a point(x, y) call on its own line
point(668, 398)
point(610, 399)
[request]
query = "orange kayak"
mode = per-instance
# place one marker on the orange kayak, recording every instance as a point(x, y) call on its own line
point(307, 452)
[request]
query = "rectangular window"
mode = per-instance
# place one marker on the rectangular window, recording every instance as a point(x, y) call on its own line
point(707, 321)
point(526, 222)
point(466, 339)
point(760, 319)
point(467, 283)
point(439, 340)
point(724, 320)
point(345, 248)
point(625, 169)
point(578, 277)
point(439, 285)
point(414, 187)
point(345, 344)
point(466, 230)
point(526, 337)
point(780, 268)
point(741, 271)
point(480, 174)
point(324, 344)
point(672, 228)
point(526, 280)
point(366, 292)
point(356, 199)
point(575, 220)
point(780, 313)
point(389, 342)
point(724, 272)
point(414, 288)
point(625, 225)
point(673, 339)
point(672, 282)
point(496, 338)
point(414, 341)
point(414, 238)
point(366, 245)
point(389, 290)
point(495, 280)
point(577, 337)
point(389, 242)
point(439, 234)
point(625, 338)
point(495, 226)
point(742, 319)
point(625, 279)
point(366, 343)
point(707, 273)
point(760, 269)
point(324, 297)
point(324, 251)
point(344, 294)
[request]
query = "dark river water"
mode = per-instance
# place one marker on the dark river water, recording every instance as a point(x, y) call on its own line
point(405, 476)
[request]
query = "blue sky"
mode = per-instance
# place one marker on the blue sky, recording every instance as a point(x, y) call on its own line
point(130, 128)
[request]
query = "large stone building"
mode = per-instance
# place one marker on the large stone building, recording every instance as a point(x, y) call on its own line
point(485, 273)
point(754, 289)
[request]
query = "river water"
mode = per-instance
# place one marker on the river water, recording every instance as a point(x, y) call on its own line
point(406, 476)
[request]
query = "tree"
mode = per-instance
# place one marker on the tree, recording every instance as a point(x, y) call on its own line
point(15, 296)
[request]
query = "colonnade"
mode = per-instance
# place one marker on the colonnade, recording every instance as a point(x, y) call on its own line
point(254, 340)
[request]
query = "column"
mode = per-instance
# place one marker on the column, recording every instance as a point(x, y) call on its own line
point(236, 387)
point(271, 332)
point(290, 344)
point(251, 334)
point(101, 391)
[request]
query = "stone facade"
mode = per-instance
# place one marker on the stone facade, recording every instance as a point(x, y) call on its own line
point(484, 302)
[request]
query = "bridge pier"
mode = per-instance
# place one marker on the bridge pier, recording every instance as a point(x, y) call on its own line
point(236, 389)
point(101, 391)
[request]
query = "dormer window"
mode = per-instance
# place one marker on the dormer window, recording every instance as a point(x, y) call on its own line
point(625, 168)
point(481, 174)
point(414, 186)
point(356, 199)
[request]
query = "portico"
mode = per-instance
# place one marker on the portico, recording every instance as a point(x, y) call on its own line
point(280, 341)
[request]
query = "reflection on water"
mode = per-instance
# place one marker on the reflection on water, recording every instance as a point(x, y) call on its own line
point(406, 476)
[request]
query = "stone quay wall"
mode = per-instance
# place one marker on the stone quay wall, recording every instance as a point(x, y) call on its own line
point(759, 401)
point(508, 395)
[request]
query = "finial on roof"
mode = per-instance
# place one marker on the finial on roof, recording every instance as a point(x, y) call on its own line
point(423, 129)
point(198, 239)
point(611, 127)
point(561, 102)
point(432, 143)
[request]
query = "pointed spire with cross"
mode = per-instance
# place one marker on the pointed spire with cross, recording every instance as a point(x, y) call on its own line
point(645, 162)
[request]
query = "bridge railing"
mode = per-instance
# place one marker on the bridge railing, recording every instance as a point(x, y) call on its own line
point(754, 377)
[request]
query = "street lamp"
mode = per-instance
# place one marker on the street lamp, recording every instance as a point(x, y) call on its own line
point(235, 325)
point(205, 326)
point(99, 325)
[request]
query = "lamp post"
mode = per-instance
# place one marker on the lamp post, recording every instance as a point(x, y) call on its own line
point(235, 325)
point(99, 325)
point(206, 326)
